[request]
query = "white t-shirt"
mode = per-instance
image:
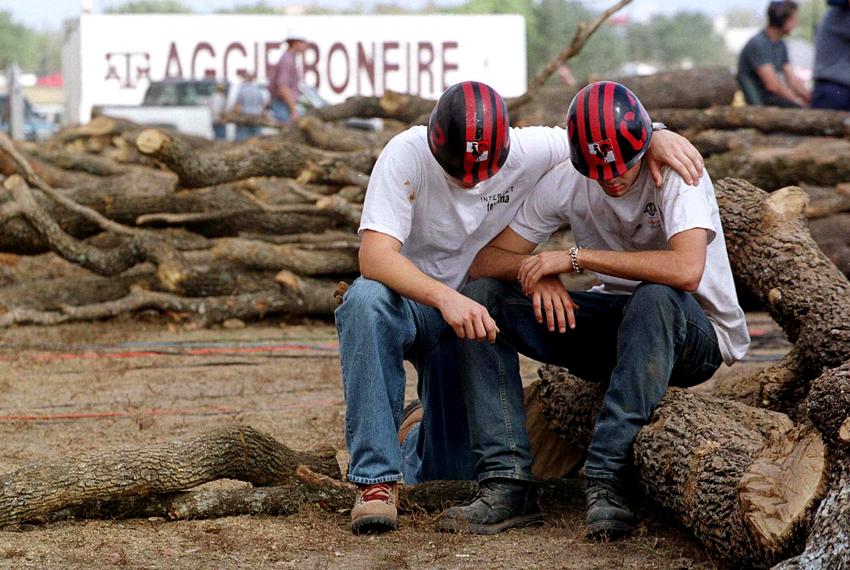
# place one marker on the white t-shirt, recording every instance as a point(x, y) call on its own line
point(442, 226)
point(645, 218)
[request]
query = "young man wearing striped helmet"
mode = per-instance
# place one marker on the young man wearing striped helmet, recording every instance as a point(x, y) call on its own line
point(436, 196)
point(665, 311)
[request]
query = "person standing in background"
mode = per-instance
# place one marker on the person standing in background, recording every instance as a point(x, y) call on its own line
point(285, 78)
point(764, 71)
point(218, 104)
point(832, 58)
point(251, 101)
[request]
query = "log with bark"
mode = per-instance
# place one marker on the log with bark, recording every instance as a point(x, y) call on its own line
point(828, 544)
point(745, 480)
point(156, 481)
point(773, 254)
point(682, 89)
point(809, 122)
point(258, 157)
point(819, 161)
point(239, 453)
point(409, 109)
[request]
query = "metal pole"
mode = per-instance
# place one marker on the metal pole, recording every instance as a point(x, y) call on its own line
point(16, 103)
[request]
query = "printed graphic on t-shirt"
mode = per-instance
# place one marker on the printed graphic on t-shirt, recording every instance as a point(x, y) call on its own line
point(494, 200)
point(652, 212)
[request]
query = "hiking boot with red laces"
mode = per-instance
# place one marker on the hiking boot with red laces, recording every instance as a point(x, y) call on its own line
point(375, 508)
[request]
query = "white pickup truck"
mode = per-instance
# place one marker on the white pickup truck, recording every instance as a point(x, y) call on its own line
point(176, 103)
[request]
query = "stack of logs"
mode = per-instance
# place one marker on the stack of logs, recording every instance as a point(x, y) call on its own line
point(758, 470)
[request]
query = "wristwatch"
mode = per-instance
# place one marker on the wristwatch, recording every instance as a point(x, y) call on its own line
point(658, 126)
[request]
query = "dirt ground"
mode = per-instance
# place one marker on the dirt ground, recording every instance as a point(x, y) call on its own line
point(72, 389)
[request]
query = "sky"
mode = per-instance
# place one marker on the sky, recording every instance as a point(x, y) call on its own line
point(49, 14)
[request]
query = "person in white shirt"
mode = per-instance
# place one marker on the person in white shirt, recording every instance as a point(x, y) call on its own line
point(436, 196)
point(665, 311)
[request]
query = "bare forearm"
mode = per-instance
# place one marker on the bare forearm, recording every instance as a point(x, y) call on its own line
point(782, 90)
point(799, 88)
point(665, 267)
point(286, 95)
point(497, 263)
point(401, 275)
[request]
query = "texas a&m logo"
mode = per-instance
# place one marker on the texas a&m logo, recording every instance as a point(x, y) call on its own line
point(602, 150)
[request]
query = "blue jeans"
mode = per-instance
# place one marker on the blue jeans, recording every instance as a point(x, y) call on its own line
point(635, 344)
point(246, 131)
point(220, 131)
point(831, 95)
point(379, 329)
point(280, 110)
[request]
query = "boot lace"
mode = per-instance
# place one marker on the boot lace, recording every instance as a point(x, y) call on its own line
point(378, 492)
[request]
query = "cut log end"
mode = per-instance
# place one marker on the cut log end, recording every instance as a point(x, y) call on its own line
point(288, 279)
point(782, 486)
point(787, 204)
point(392, 102)
point(150, 141)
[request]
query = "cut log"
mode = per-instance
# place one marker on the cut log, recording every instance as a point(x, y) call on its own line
point(50, 295)
point(240, 453)
point(126, 198)
point(772, 253)
point(691, 89)
point(745, 480)
point(811, 122)
point(289, 295)
point(328, 136)
point(99, 126)
point(828, 544)
point(260, 157)
point(817, 161)
point(266, 256)
point(140, 247)
point(391, 105)
point(716, 141)
point(53, 175)
point(152, 481)
point(76, 161)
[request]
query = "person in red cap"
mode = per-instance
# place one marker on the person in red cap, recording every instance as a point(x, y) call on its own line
point(436, 195)
point(665, 311)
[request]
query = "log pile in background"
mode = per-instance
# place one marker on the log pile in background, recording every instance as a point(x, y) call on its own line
point(175, 223)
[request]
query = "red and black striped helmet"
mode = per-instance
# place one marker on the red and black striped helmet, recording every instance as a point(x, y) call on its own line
point(468, 132)
point(609, 130)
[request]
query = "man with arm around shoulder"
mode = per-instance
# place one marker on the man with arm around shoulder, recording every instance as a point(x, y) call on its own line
point(665, 312)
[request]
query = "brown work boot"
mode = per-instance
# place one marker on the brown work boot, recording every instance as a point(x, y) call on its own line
point(375, 509)
point(411, 416)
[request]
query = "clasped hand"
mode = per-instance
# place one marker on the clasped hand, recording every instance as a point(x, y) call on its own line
point(552, 302)
point(534, 267)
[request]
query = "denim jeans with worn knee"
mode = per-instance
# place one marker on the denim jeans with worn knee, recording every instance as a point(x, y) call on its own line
point(379, 329)
point(636, 345)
